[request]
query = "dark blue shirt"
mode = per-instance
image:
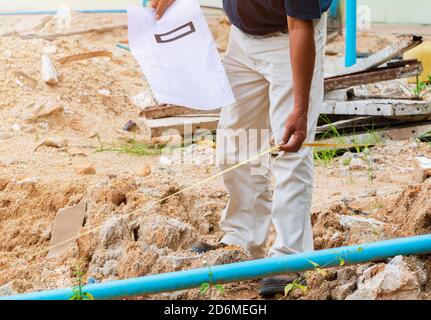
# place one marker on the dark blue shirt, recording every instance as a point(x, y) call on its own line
point(259, 17)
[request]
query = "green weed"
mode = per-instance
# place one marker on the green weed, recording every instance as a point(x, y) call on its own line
point(78, 275)
point(208, 287)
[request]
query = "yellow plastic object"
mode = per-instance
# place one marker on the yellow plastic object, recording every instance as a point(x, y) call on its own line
point(423, 54)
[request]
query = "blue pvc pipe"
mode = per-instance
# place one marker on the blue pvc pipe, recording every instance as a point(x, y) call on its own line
point(243, 270)
point(350, 33)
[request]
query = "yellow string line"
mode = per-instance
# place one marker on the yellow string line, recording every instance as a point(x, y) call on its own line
point(240, 164)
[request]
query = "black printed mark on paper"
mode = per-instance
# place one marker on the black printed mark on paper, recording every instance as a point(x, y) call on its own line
point(176, 34)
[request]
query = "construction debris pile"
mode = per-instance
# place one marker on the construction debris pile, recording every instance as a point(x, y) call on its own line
point(79, 155)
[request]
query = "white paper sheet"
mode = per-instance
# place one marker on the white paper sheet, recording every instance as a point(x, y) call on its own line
point(179, 57)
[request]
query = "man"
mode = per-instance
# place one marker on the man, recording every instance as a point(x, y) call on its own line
point(275, 66)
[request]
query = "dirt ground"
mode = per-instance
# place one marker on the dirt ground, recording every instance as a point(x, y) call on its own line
point(49, 159)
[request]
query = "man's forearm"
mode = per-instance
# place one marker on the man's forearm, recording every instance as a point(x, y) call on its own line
point(302, 55)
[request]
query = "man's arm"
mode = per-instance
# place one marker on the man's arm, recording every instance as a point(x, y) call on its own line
point(161, 6)
point(302, 56)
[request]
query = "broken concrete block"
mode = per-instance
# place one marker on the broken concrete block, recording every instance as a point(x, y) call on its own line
point(49, 74)
point(393, 281)
point(362, 229)
point(165, 232)
point(144, 100)
point(353, 221)
point(114, 231)
point(173, 263)
point(422, 169)
point(104, 263)
point(66, 226)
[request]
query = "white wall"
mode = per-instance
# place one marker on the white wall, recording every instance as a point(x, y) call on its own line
point(399, 11)
point(77, 4)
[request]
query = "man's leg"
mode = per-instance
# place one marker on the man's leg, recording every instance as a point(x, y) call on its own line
point(294, 172)
point(243, 132)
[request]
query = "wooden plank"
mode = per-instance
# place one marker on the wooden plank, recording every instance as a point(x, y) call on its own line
point(51, 37)
point(66, 226)
point(377, 107)
point(168, 110)
point(395, 133)
point(342, 94)
point(183, 126)
point(345, 124)
point(373, 76)
point(383, 56)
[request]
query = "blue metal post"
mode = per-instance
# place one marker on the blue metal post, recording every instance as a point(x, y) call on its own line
point(350, 33)
point(243, 270)
point(333, 10)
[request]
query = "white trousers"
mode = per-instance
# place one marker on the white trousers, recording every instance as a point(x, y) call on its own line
point(260, 74)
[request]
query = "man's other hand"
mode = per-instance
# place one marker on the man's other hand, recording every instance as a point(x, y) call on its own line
point(295, 132)
point(161, 6)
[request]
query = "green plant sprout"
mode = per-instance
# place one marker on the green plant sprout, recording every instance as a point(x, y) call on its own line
point(297, 284)
point(422, 87)
point(208, 287)
point(78, 275)
point(326, 155)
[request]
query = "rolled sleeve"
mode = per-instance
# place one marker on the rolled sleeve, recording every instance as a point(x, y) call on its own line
point(303, 9)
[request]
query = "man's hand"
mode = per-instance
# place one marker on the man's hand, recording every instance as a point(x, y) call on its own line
point(295, 132)
point(161, 6)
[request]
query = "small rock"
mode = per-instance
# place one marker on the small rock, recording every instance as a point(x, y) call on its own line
point(204, 228)
point(76, 152)
point(50, 50)
point(165, 162)
point(7, 53)
point(422, 169)
point(346, 158)
point(7, 290)
point(46, 235)
point(84, 169)
point(16, 128)
point(47, 109)
point(53, 143)
point(104, 92)
point(49, 74)
point(357, 164)
point(31, 180)
point(130, 126)
point(145, 171)
point(5, 135)
point(372, 193)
